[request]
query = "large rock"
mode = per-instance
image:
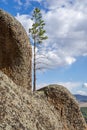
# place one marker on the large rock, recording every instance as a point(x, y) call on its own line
point(15, 50)
point(51, 108)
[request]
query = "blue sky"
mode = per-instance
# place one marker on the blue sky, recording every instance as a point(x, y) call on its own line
point(66, 47)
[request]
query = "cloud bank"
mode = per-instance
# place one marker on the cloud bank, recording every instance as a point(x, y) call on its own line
point(66, 29)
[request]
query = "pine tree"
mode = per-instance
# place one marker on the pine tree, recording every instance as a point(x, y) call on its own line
point(37, 33)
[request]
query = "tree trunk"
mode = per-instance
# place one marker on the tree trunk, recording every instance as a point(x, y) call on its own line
point(34, 68)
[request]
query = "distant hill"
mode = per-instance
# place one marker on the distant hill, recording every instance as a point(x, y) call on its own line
point(83, 104)
point(81, 98)
point(84, 112)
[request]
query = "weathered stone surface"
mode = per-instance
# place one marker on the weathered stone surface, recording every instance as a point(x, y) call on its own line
point(15, 50)
point(51, 108)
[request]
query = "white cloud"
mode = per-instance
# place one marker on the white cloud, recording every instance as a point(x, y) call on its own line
point(56, 3)
point(66, 29)
point(82, 92)
point(25, 20)
point(70, 60)
point(71, 86)
point(24, 4)
point(75, 4)
point(85, 85)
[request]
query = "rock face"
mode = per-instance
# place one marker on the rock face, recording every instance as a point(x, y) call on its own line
point(51, 108)
point(15, 50)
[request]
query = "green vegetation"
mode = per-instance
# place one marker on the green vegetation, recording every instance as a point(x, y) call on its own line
point(84, 112)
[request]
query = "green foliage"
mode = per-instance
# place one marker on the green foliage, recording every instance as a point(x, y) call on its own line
point(37, 31)
point(84, 112)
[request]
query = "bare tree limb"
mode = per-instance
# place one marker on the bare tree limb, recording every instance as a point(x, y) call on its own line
point(43, 68)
